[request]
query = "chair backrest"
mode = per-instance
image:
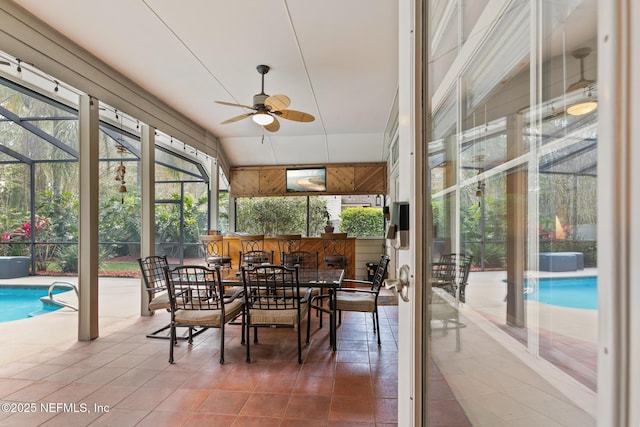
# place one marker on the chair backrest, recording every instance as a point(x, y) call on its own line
point(381, 272)
point(195, 287)
point(152, 268)
point(288, 243)
point(334, 249)
point(304, 259)
point(445, 269)
point(253, 242)
point(213, 245)
point(464, 266)
point(271, 287)
point(252, 251)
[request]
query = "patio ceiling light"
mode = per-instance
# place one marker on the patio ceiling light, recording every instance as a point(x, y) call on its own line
point(262, 118)
point(586, 106)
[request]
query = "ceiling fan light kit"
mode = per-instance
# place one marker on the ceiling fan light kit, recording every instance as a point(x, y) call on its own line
point(583, 107)
point(262, 118)
point(268, 107)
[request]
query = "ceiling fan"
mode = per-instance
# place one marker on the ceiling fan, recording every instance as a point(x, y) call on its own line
point(267, 109)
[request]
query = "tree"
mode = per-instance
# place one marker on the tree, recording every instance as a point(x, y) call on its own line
point(361, 221)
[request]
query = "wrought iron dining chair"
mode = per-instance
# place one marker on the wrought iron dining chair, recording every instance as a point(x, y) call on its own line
point(252, 251)
point(215, 251)
point(334, 250)
point(152, 269)
point(273, 299)
point(443, 273)
point(307, 262)
point(451, 273)
point(363, 300)
point(197, 299)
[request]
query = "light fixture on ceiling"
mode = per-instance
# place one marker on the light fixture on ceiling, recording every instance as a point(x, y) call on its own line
point(582, 108)
point(585, 106)
point(262, 118)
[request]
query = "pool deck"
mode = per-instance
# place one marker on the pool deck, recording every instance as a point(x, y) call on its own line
point(119, 304)
point(486, 292)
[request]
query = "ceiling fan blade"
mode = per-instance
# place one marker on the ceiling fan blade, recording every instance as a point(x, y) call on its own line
point(296, 116)
point(231, 104)
point(273, 126)
point(277, 102)
point(237, 118)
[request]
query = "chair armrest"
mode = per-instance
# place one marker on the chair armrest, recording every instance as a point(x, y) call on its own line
point(307, 296)
point(365, 291)
point(237, 294)
point(360, 282)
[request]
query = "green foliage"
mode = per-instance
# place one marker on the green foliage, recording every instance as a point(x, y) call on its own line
point(120, 222)
point(63, 210)
point(223, 212)
point(271, 215)
point(194, 217)
point(280, 215)
point(68, 258)
point(361, 221)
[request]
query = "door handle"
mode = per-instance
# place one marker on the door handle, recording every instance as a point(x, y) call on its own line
point(400, 285)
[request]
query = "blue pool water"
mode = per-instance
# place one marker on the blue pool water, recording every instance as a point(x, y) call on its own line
point(574, 292)
point(20, 302)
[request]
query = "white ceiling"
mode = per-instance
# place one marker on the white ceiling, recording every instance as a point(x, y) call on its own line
point(335, 59)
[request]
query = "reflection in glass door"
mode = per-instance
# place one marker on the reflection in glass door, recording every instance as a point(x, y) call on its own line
point(513, 176)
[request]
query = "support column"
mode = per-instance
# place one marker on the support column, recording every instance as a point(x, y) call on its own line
point(88, 224)
point(517, 218)
point(214, 191)
point(148, 197)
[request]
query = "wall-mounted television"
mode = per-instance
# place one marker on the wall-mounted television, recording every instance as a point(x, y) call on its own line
point(306, 180)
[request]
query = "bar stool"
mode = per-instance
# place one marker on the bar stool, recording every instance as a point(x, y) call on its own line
point(287, 245)
point(214, 251)
point(334, 247)
point(252, 251)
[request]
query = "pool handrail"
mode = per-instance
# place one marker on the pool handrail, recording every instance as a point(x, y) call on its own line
point(60, 284)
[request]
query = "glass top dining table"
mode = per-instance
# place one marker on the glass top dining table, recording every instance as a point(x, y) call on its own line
point(329, 279)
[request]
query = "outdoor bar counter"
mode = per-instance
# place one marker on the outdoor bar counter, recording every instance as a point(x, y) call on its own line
point(311, 244)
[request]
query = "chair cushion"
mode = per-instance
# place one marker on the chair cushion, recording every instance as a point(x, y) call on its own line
point(356, 301)
point(160, 302)
point(232, 290)
point(255, 259)
point(334, 259)
point(208, 317)
point(277, 317)
point(218, 259)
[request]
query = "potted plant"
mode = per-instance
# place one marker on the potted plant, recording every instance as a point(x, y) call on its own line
point(328, 228)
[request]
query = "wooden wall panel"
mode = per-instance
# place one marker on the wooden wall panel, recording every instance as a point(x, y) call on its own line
point(370, 179)
point(353, 179)
point(245, 181)
point(272, 181)
point(340, 180)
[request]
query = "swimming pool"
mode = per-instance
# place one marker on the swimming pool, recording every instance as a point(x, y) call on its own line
point(22, 301)
point(574, 292)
